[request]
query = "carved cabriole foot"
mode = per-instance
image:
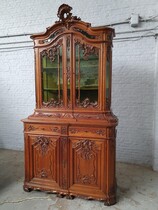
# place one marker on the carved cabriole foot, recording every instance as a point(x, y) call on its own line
point(60, 195)
point(71, 197)
point(27, 189)
point(110, 201)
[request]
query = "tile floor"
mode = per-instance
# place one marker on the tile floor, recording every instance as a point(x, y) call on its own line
point(137, 189)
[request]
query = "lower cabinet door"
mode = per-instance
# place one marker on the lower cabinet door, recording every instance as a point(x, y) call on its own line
point(41, 161)
point(88, 167)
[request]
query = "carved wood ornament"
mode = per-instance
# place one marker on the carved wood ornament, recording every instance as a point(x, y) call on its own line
point(86, 148)
point(65, 15)
point(101, 132)
point(70, 138)
point(52, 52)
point(43, 142)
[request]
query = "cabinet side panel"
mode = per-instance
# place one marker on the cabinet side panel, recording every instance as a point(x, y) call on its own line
point(111, 178)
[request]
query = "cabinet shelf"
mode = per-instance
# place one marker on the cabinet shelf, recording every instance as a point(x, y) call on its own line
point(50, 68)
point(81, 88)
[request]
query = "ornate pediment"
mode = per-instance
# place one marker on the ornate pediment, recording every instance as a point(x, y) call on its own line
point(64, 14)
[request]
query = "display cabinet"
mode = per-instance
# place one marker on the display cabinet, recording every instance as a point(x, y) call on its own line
point(70, 137)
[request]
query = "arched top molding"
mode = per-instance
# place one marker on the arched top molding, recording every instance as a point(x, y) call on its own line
point(68, 23)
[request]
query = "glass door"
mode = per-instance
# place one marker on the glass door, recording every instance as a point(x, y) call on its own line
point(87, 74)
point(52, 76)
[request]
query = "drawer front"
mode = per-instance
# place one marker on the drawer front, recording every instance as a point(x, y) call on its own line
point(88, 132)
point(45, 128)
point(98, 132)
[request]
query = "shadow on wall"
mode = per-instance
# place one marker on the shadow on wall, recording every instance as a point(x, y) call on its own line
point(133, 102)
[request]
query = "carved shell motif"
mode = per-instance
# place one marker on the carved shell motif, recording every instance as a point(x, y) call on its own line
point(64, 14)
point(87, 148)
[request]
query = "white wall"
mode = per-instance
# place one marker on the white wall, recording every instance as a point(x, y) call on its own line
point(134, 69)
point(155, 142)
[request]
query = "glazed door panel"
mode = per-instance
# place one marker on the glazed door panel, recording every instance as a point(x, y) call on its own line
point(87, 165)
point(51, 61)
point(43, 153)
point(86, 74)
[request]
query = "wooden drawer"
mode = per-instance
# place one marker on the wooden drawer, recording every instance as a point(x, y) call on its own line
point(87, 132)
point(45, 128)
point(108, 132)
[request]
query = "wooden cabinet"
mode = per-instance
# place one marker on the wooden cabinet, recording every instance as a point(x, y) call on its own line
point(70, 137)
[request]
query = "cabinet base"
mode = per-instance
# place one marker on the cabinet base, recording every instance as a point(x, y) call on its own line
point(110, 201)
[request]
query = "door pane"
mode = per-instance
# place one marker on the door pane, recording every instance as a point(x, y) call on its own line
point(52, 77)
point(87, 64)
point(68, 71)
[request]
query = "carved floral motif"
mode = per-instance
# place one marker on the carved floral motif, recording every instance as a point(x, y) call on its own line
point(49, 115)
point(31, 128)
point(87, 103)
point(86, 148)
point(74, 130)
point(53, 103)
point(87, 49)
point(108, 117)
point(89, 116)
point(63, 130)
point(43, 142)
point(43, 173)
point(52, 52)
point(86, 179)
point(101, 132)
point(56, 129)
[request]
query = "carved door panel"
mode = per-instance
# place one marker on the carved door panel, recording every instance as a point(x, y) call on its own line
point(87, 165)
point(43, 159)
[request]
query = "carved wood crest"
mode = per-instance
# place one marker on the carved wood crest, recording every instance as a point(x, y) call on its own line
point(64, 14)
